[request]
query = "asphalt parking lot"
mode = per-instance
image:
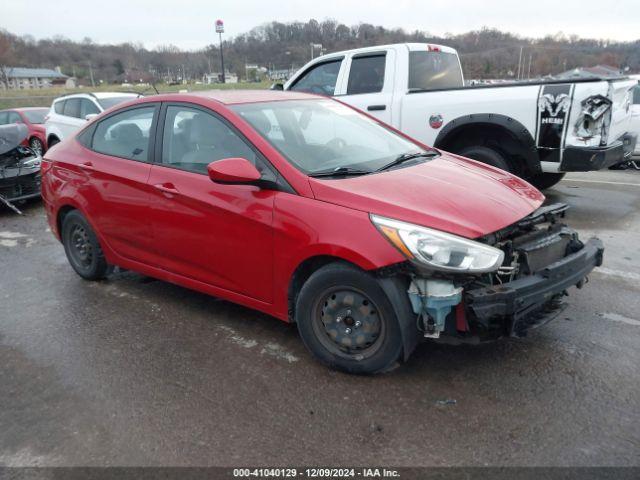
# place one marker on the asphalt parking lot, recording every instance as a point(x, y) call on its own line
point(133, 371)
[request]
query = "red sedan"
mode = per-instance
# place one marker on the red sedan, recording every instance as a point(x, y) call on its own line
point(33, 118)
point(315, 213)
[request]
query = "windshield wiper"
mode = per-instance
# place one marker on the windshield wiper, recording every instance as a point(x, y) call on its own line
point(340, 172)
point(405, 157)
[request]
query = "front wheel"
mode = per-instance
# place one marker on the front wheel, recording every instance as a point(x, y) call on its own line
point(347, 322)
point(546, 180)
point(37, 146)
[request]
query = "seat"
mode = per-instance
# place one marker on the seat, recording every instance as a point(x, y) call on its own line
point(210, 140)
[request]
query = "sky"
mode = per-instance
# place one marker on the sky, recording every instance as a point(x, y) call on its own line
point(189, 24)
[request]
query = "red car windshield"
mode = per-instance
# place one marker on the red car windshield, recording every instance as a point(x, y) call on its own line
point(316, 135)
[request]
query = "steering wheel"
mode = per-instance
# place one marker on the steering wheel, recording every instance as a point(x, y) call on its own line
point(336, 144)
point(319, 89)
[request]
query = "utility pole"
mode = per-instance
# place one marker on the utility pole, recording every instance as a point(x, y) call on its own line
point(93, 83)
point(220, 30)
point(529, 69)
point(519, 63)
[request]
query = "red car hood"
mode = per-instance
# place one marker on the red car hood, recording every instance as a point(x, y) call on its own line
point(449, 193)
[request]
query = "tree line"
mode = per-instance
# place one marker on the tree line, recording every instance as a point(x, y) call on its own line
point(485, 53)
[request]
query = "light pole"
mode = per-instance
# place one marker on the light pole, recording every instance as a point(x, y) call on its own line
point(315, 45)
point(220, 31)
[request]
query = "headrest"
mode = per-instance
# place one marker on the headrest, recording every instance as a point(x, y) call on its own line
point(206, 130)
point(127, 132)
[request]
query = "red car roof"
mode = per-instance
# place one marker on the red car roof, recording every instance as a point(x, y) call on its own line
point(22, 109)
point(230, 97)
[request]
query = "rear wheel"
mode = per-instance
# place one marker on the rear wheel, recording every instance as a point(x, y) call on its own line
point(346, 320)
point(486, 155)
point(546, 180)
point(82, 247)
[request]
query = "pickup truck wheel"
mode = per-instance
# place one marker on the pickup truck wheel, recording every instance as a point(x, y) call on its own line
point(546, 180)
point(347, 322)
point(486, 155)
point(82, 247)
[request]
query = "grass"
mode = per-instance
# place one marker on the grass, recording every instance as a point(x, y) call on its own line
point(42, 97)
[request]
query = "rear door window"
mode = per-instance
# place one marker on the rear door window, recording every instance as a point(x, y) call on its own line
point(72, 108)
point(434, 70)
point(320, 79)
point(4, 118)
point(366, 74)
point(126, 134)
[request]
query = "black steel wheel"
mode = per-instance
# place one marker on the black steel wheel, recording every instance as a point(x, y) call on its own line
point(82, 247)
point(346, 320)
point(487, 155)
point(546, 180)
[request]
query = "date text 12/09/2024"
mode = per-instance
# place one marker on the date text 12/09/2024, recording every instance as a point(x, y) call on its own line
point(315, 473)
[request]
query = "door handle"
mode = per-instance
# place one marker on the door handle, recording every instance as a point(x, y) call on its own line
point(87, 166)
point(166, 188)
point(373, 108)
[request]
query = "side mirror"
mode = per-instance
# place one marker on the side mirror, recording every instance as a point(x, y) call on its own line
point(277, 86)
point(233, 171)
point(90, 116)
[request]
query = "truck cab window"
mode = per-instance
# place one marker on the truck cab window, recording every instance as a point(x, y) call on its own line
point(366, 75)
point(434, 71)
point(320, 79)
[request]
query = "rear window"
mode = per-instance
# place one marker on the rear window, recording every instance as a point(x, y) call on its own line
point(434, 70)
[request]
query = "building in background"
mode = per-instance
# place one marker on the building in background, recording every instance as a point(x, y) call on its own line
point(209, 78)
point(19, 78)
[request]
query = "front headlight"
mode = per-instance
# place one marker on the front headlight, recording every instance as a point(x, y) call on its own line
point(438, 250)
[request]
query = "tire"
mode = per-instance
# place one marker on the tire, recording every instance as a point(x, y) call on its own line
point(52, 141)
point(486, 155)
point(362, 341)
point(36, 145)
point(546, 180)
point(82, 247)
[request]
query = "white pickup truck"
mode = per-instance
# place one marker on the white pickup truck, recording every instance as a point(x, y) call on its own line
point(535, 130)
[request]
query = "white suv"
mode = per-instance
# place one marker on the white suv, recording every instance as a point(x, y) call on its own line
point(71, 112)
